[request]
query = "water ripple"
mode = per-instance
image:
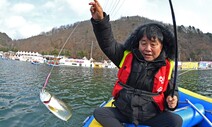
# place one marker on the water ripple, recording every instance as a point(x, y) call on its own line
point(83, 89)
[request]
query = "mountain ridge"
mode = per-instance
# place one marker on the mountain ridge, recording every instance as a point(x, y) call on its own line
point(193, 43)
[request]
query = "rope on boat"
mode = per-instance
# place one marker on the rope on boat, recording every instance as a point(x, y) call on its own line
point(193, 106)
point(209, 111)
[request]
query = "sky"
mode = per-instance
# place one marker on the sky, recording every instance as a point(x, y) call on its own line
point(21, 19)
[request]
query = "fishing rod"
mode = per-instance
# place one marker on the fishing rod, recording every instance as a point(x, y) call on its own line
point(176, 65)
point(176, 47)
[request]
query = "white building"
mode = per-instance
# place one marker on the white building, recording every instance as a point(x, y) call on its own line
point(29, 56)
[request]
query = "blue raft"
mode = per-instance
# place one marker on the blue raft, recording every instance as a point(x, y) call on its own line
point(195, 110)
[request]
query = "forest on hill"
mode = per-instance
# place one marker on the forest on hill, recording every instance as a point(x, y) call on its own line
point(4, 41)
point(193, 43)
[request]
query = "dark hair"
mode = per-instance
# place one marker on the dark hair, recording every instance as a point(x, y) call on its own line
point(153, 31)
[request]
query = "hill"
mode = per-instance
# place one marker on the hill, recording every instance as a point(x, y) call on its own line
point(4, 40)
point(193, 43)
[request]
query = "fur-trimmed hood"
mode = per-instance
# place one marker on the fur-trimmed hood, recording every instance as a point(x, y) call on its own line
point(168, 39)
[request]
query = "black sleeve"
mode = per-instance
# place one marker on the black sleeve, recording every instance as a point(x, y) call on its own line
point(104, 35)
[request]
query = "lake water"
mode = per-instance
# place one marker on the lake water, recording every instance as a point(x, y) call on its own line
point(83, 89)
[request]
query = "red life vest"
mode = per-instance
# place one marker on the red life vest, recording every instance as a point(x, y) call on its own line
point(161, 78)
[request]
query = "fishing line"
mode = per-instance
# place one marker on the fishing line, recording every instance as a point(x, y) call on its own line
point(114, 7)
point(48, 76)
point(105, 6)
point(111, 6)
point(56, 106)
point(184, 72)
point(118, 8)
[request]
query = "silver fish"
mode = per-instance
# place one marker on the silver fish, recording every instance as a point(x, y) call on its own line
point(56, 106)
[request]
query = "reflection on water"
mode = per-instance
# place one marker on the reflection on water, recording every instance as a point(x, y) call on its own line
point(81, 88)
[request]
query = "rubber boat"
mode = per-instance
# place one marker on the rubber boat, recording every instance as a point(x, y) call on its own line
point(195, 110)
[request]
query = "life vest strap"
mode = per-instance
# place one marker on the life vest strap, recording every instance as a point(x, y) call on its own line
point(135, 91)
